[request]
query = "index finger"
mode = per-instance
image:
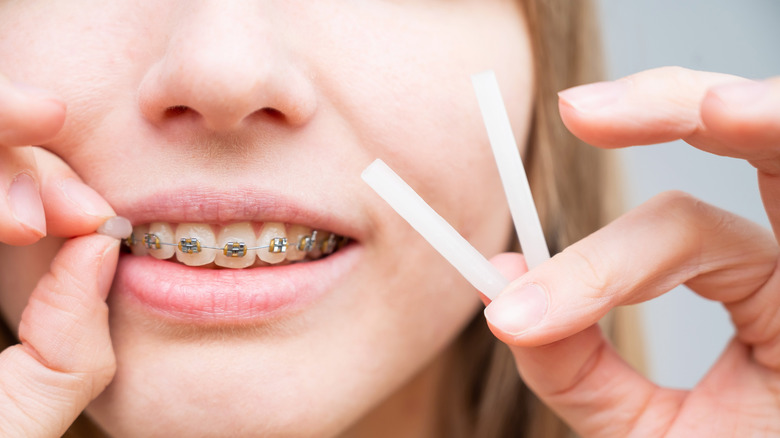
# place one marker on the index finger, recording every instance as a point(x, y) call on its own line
point(548, 316)
point(718, 113)
point(28, 116)
point(670, 240)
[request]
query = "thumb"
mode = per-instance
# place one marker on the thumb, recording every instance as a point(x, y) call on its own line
point(65, 358)
point(580, 377)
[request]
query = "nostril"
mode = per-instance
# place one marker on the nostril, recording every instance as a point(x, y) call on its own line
point(273, 113)
point(173, 111)
point(184, 111)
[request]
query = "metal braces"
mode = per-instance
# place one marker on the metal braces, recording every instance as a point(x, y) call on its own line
point(191, 245)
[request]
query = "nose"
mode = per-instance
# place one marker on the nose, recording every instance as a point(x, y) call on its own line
point(222, 66)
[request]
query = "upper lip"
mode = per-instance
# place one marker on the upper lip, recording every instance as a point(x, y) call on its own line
point(204, 205)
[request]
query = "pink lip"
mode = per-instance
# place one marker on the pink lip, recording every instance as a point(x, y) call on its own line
point(229, 296)
point(225, 296)
point(253, 204)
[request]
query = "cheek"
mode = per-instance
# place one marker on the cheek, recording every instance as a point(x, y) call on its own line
point(20, 269)
point(90, 55)
point(411, 99)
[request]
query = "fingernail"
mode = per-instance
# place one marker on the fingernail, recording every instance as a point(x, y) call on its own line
point(107, 268)
point(26, 204)
point(85, 199)
point(517, 310)
point(741, 94)
point(116, 227)
point(594, 96)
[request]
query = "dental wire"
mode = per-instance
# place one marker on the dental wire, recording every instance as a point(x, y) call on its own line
point(280, 244)
point(215, 247)
point(510, 168)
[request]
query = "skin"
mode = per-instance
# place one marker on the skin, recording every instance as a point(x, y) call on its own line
point(66, 355)
point(717, 254)
point(365, 80)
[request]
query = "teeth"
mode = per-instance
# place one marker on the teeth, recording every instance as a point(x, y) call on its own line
point(236, 233)
point(316, 250)
point(137, 246)
point(235, 245)
point(270, 231)
point(295, 241)
point(191, 239)
point(329, 243)
point(164, 232)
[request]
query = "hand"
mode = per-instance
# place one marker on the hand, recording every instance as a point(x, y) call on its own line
point(65, 357)
point(548, 316)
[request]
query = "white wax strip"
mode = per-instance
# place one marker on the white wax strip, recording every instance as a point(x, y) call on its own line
point(464, 257)
point(510, 167)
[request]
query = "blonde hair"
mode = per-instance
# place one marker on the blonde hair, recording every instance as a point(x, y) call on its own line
point(573, 185)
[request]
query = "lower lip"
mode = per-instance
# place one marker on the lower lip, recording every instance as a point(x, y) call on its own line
point(229, 296)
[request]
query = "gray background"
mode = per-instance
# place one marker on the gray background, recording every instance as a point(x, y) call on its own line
point(684, 333)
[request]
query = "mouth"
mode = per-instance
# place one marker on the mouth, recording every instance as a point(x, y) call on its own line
point(192, 264)
point(238, 245)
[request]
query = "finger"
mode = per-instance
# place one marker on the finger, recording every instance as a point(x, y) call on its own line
point(718, 113)
point(512, 264)
point(549, 315)
point(653, 106)
point(72, 208)
point(22, 217)
point(586, 382)
point(742, 119)
point(722, 114)
point(65, 357)
point(670, 240)
point(28, 116)
point(44, 196)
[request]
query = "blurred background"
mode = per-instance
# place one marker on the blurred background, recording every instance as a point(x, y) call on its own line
point(685, 333)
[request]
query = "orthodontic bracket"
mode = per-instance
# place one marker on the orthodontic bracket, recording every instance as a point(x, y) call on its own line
point(151, 241)
point(328, 246)
point(278, 245)
point(234, 249)
point(191, 245)
point(308, 242)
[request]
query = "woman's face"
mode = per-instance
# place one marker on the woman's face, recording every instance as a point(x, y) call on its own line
point(224, 113)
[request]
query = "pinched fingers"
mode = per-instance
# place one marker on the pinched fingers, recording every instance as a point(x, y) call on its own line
point(65, 357)
point(548, 316)
point(42, 195)
point(27, 117)
point(39, 194)
point(72, 207)
point(670, 240)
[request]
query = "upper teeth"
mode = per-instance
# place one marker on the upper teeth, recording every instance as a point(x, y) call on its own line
point(234, 246)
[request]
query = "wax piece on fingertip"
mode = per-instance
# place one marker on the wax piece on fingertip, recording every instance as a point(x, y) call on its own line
point(116, 227)
point(433, 228)
point(510, 168)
